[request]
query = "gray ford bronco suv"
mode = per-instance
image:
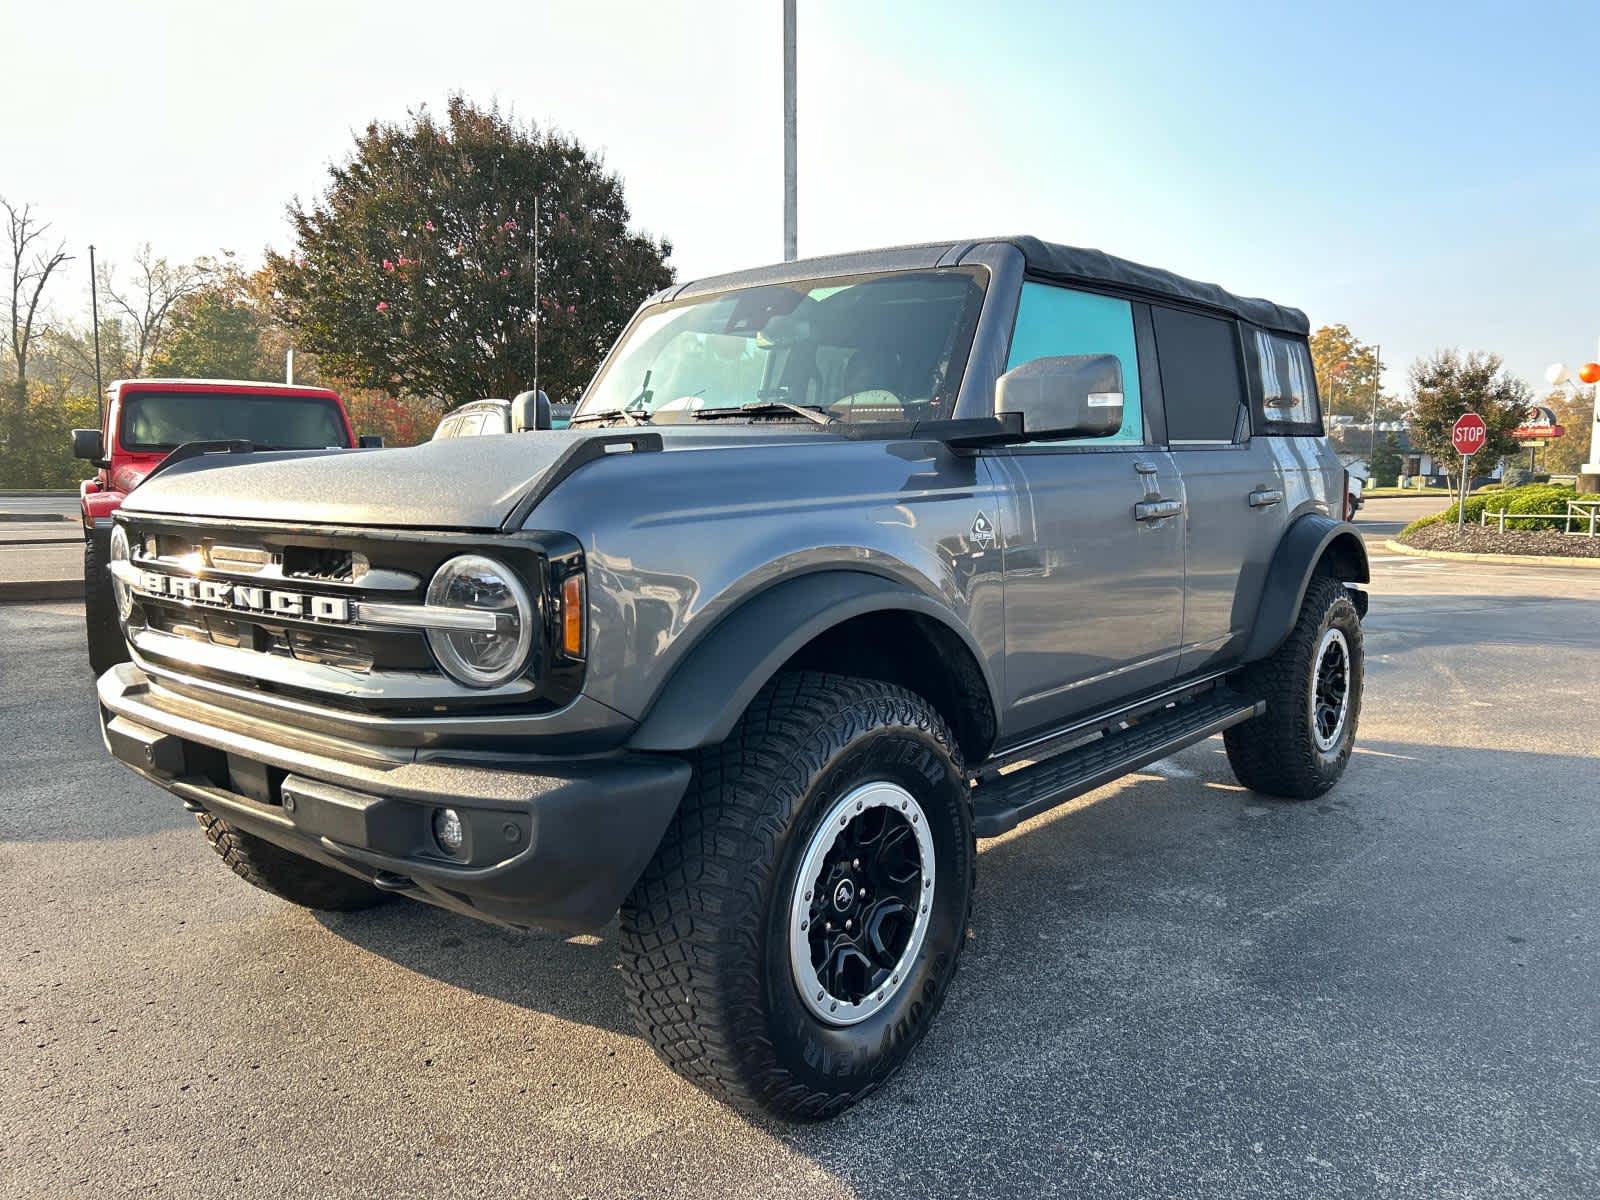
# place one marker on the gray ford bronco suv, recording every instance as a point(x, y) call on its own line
point(841, 565)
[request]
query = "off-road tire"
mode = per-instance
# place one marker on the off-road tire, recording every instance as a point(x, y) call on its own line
point(704, 934)
point(1277, 752)
point(104, 634)
point(287, 876)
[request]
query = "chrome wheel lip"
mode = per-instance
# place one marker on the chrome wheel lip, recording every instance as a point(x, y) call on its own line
point(1333, 642)
point(835, 1010)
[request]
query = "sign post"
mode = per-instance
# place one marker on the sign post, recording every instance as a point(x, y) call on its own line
point(1468, 437)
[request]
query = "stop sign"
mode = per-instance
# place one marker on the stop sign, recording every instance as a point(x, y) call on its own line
point(1469, 434)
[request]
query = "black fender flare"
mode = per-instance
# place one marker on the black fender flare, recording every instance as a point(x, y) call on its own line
point(709, 690)
point(1310, 539)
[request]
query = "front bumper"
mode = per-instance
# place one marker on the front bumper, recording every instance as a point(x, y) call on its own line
point(550, 842)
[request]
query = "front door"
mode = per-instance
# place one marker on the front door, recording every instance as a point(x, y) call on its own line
point(1092, 535)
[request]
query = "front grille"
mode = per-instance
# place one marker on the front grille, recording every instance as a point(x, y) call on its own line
point(312, 654)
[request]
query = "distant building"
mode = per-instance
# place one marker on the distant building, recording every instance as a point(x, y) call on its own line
point(1353, 441)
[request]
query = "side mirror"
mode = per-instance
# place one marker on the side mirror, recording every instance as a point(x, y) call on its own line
point(530, 410)
point(89, 444)
point(1077, 395)
point(370, 441)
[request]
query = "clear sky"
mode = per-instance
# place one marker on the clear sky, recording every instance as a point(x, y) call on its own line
point(1427, 173)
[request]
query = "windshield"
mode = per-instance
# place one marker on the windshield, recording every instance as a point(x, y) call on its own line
point(155, 422)
point(887, 347)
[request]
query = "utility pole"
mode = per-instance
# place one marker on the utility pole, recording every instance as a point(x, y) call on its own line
point(94, 319)
point(1377, 377)
point(790, 163)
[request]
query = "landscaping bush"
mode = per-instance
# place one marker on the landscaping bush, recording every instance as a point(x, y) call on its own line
point(1531, 498)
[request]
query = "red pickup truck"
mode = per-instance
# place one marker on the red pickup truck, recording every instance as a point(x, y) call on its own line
point(146, 419)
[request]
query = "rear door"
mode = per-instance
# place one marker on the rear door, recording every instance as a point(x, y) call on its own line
point(1092, 533)
point(1233, 482)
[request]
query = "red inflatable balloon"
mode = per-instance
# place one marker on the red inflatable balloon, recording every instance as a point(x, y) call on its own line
point(1589, 372)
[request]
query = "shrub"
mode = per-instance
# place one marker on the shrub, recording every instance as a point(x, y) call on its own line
point(1531, 498)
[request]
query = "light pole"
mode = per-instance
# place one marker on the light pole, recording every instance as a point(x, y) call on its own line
point(1377, 376)
point(790, 161)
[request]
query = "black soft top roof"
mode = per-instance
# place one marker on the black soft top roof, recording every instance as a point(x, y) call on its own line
point(1071, 264)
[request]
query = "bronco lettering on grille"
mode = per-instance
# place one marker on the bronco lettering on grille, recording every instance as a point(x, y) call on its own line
point(244, 598)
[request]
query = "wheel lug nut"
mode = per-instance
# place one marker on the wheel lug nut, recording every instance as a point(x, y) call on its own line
point(856, 863)
point(847, 923)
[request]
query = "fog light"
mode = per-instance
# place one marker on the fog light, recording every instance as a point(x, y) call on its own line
point(447, 830)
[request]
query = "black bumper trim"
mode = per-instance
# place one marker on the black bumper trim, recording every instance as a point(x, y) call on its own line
point(551, 843)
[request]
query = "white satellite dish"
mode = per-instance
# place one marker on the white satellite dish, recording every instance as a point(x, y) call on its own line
point(1556, 374)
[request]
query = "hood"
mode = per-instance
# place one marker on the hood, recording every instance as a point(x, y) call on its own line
point(456, 483)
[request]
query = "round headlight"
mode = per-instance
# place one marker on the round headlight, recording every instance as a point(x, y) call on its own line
point(484, 657)
point(119, 553)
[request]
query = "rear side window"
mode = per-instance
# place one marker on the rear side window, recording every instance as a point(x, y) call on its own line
point(1288, 384)
point(1055, 321)
point(1201, 383)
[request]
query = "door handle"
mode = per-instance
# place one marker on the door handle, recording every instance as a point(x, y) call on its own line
point(1265, 497)
point(1155, 510)
point(1145, 468)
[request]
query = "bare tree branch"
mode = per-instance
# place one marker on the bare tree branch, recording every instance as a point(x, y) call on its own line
point(30, 271)
point(157, 286)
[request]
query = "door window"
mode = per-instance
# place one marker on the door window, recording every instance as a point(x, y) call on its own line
point(1055, 321)
point(1288, 384)
point(1201, 385)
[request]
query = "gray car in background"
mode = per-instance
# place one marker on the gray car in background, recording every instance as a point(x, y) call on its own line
point(842, 565)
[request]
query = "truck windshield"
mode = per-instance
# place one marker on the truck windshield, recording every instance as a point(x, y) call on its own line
point(886, 347)
point(156, 422)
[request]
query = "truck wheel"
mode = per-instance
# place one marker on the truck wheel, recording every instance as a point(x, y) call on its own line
point(793, 938)
point(106, 645)
point(286, 875)
point(1300, 746)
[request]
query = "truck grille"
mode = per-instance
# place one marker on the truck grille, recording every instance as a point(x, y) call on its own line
point(315, 615)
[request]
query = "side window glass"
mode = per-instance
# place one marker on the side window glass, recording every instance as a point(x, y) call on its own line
point(1201, 384)
point(1288, 383)
point(1054, 321)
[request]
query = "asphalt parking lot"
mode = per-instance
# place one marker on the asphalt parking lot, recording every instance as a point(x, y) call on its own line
point(1172, 987)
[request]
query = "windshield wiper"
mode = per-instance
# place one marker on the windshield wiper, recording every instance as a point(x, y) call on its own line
point(611, 414)
point(759, 408)
point(627, 412)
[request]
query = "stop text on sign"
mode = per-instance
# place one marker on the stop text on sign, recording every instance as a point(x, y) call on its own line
point(1469, 434)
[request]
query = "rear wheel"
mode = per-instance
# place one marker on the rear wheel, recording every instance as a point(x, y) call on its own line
point(797, 930)
point(1312, 684)
point(287, 876)
point(104, 634)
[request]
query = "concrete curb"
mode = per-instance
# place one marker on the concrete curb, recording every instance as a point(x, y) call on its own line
point(29, 591)
point(1515, 560)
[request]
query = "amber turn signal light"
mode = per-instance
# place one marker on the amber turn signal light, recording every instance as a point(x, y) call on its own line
point(572, 605)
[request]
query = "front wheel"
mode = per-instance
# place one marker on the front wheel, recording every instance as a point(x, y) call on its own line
point(101, 627)
point(1312, 686)
point(797, 930)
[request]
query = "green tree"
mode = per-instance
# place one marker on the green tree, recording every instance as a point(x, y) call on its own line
point(414, 272)
point(220, 331)
point(1386, 462)
point(1449, 384)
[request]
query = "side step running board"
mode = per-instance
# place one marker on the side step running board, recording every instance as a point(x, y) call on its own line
point(1004, 802)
